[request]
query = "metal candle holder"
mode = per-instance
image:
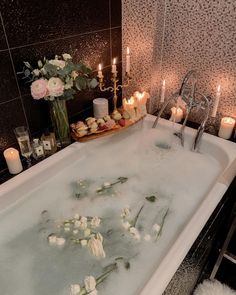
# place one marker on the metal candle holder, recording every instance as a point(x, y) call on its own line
point(115, 86)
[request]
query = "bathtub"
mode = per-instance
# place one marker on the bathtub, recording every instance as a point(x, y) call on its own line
point(189, 184)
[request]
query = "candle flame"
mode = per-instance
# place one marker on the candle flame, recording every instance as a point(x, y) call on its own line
point(130, 100)
point(128, 51)
point(100, 67)
point(218, 88)
point(11, 152)
point(164, 82)
point(114, 61)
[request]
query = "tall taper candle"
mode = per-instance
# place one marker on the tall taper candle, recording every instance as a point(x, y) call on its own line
point(128, 61)
point(163, 89)
point(216, 102)
point(100, 75)
point(113, 69)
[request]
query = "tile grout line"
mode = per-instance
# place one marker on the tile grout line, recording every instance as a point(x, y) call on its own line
point(163, 38)
point(14, 70)
point(10, 100)
point(110, 31)
point(58, 39)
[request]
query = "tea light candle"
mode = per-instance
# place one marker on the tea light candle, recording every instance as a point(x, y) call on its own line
point(100, 75)
point(176, 114)
point(12, 158)
point(141, 98)
point(100, 107)
point(127, 61)
point(226, 127)
point(113, 69)
point(216, 102)
point(163, 90)
point(128, 105)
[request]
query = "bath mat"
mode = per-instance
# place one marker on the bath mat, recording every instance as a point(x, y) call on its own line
point(213, 288)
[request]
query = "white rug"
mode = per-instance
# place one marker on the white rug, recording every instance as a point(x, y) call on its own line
point(213, 288)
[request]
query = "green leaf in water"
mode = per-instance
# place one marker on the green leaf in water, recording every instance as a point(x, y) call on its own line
point(151, 199)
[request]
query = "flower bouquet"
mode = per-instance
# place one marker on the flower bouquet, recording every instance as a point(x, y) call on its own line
point(57, 80)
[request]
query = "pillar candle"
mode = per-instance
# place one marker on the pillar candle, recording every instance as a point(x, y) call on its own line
point(100, 107)
point(13, 160)
point(216, 102)
point(176, 115)
point(226, 127)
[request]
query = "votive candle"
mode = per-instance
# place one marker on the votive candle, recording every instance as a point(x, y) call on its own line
point(176, 114)
point(226, 127)
point(12, 158)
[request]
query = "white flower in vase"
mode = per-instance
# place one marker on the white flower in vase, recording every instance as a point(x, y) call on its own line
point(58, 63)
point(66, 56)
point(90, 284)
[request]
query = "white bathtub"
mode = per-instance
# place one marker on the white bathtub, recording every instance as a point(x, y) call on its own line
point(191, 183)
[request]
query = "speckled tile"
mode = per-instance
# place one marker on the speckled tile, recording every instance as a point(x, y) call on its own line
point(3, 43)
point(8, 86)
point(37, 21)
point(11, 116)
point(138, 31)
point(91, 49)
point(116, 43)
point(183, 35)
point(115, 13)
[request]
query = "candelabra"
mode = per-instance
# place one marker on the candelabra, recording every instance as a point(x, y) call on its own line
point(115, 86)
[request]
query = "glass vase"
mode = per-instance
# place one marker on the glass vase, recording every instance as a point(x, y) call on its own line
point(60, 122)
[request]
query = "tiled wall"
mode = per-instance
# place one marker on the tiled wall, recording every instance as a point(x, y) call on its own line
point(89, 30)
point(177, 36)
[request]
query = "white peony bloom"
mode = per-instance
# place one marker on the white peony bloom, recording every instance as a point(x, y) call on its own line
point(95, 222)
point(60, 241)
point(95, 246)
point(58, 63)
point(84, 243)
point(126, 225)
point(66, 56)
point(55, 87)
point(75, 289)
point(36, 72)
point(135, 233)
point(125, 212)
point(90, 284)
point(156, 228)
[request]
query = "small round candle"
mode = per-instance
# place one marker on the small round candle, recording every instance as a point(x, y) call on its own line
point(12, 158)
point(226, 127)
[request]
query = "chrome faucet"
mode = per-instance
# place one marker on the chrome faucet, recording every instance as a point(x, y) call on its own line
point(192, 99)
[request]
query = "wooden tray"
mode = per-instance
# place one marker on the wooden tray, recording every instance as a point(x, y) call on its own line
point(114, 130)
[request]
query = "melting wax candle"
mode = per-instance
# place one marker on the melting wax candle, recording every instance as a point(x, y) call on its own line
point(176, 114)
point(100, 75)
point(12, 158)
point(226, 127)
point(113, 69)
